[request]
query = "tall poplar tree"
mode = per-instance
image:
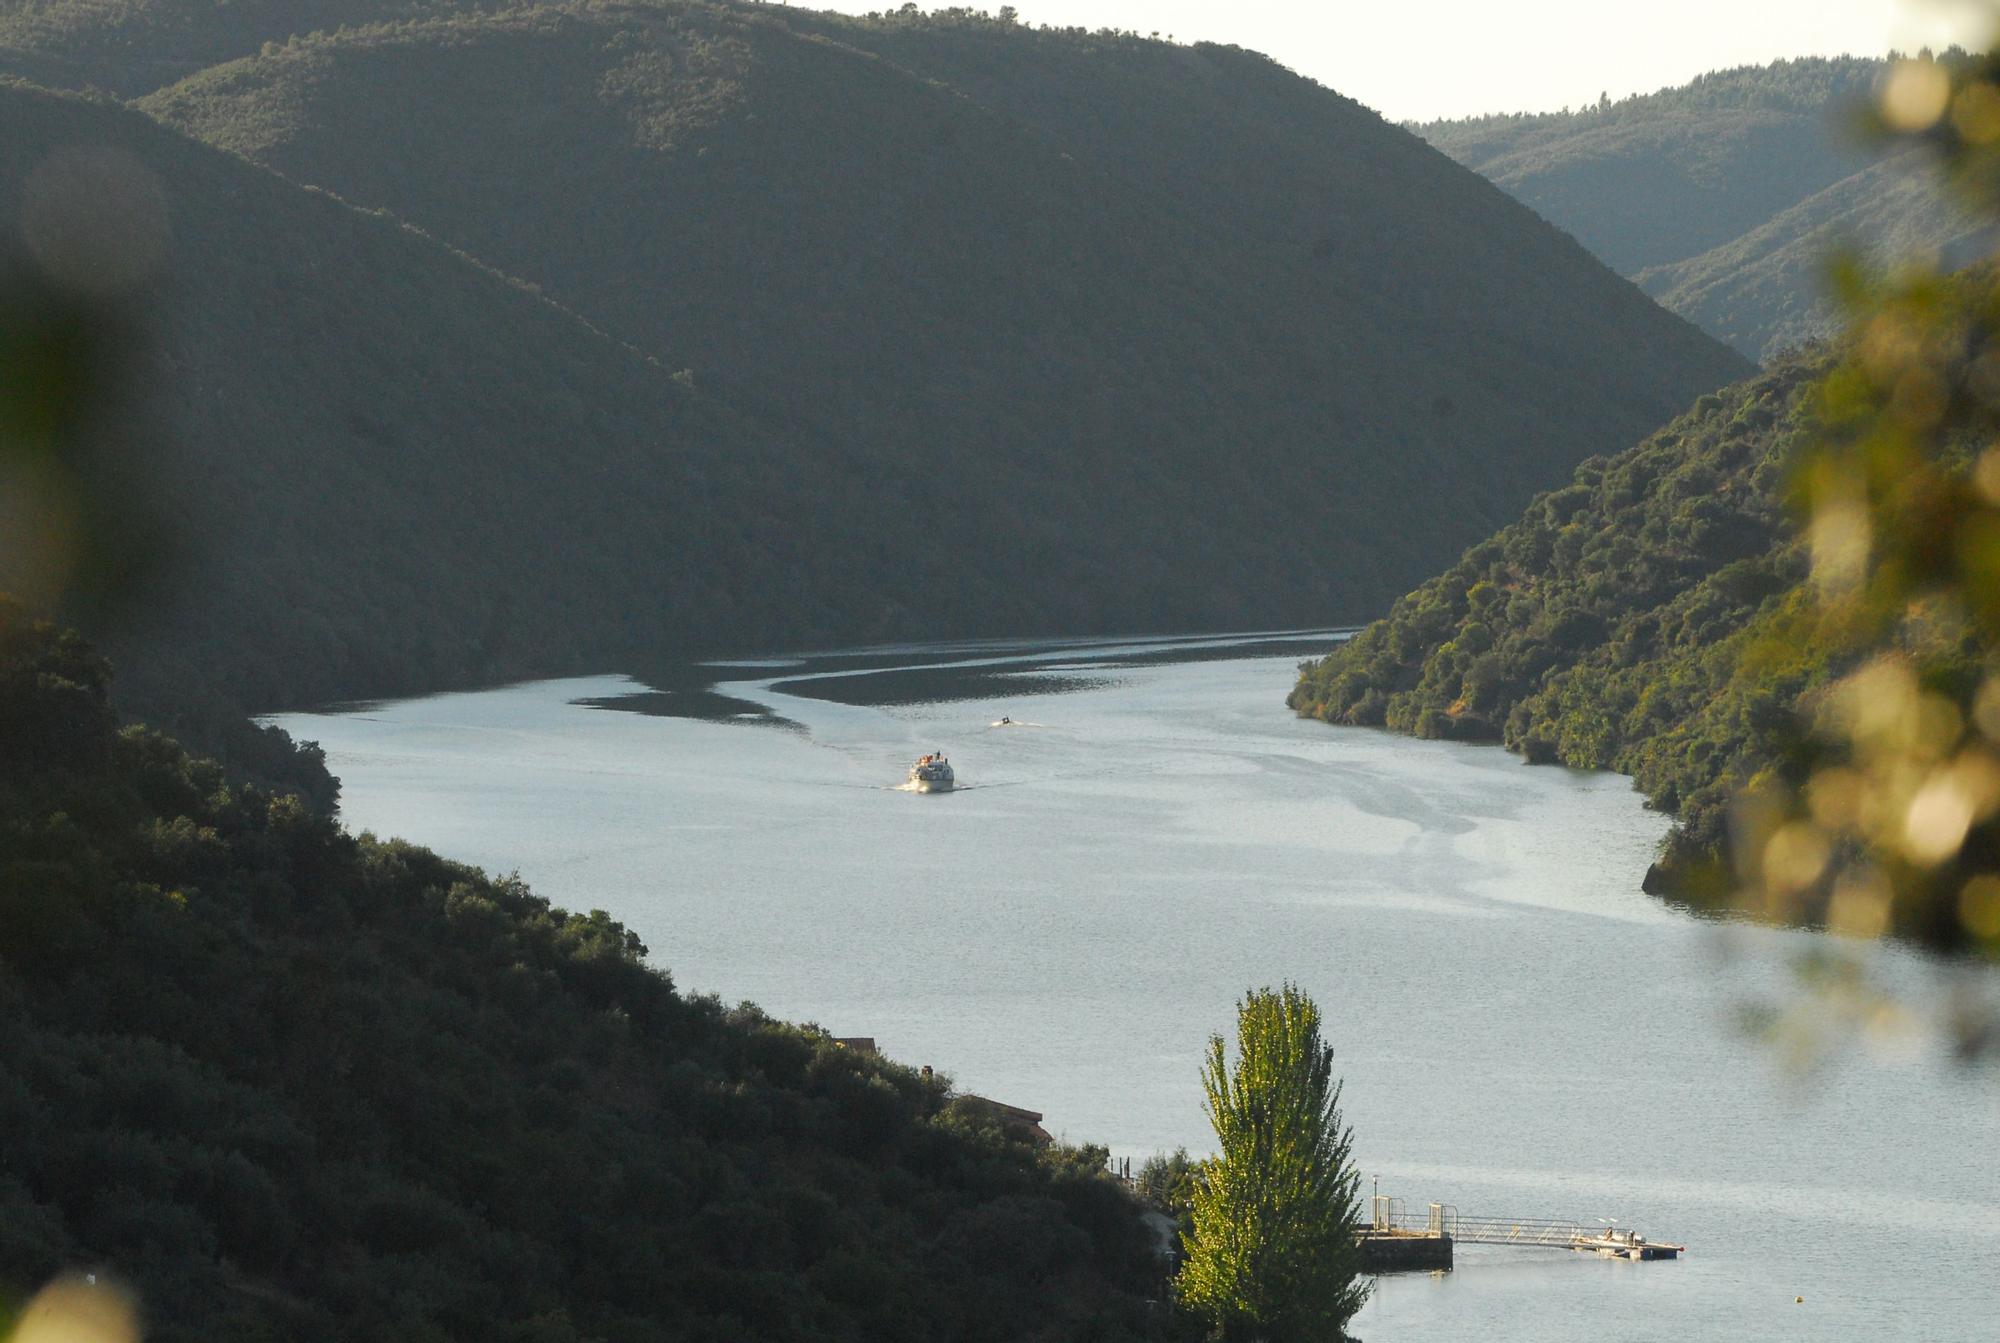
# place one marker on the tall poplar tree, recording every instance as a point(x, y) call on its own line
point(1274, 1255)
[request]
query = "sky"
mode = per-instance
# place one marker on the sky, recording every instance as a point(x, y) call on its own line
point(1415, 60)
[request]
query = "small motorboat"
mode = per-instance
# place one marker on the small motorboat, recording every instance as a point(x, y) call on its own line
point(932, 774)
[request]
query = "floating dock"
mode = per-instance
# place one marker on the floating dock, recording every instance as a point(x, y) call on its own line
point(1395, 1241)
point(1616, 1244)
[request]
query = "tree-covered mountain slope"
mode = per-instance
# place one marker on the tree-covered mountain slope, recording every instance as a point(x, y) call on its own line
point(1649, 617)
point(290, 1083)
point(1727, 197)
point(824, 330)
point(1047, 314)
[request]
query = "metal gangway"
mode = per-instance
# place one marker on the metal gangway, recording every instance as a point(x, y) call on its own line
point(1442, 1219)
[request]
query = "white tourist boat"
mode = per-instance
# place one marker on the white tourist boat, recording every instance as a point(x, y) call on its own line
point(932, 774)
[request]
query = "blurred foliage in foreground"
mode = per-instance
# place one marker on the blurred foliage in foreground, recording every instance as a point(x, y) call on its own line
point(75, 1308)
point(1891, 822)
point(67, 526)
point(289, 1083)
point(1779, 614)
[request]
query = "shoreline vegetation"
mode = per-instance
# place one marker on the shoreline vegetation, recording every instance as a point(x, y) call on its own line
point(1638, 619)
point(290, 1082)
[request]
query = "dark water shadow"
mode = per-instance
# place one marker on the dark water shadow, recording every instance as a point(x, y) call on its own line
point(944, 677)
point(999, 669)
point(701, 705)
point(1310, 649)
point(936, 685)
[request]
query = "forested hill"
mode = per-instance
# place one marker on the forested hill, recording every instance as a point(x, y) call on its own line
point(957, 351)
point(1630, 620)
point(291, 1084)
point(1725, 198)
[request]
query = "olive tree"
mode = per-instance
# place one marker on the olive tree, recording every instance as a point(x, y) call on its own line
point(1273, 1255)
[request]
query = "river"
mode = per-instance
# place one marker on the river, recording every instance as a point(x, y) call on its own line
point(1521, 1031)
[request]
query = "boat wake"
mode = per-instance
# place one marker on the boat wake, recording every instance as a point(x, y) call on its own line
point(957, 788)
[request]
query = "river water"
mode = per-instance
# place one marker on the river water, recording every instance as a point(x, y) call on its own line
point(1522, 1033)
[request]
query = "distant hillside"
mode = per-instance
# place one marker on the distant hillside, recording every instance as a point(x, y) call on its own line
point(291, 1084)
point(1625, 621)
point(1725, 198)
point(1768, 286)
point(970, 329)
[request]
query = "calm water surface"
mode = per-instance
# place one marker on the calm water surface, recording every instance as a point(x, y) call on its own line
point(1522, 1032)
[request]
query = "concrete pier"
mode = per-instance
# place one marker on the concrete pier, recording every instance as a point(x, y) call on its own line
point(1404, 1251)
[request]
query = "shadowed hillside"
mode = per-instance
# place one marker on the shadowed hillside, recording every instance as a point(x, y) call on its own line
point(972, 329)
point(1725, 198)
point(386, 466)
point(986, 299)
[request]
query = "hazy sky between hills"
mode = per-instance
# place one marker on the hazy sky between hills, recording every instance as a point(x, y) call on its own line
point(1423, 59)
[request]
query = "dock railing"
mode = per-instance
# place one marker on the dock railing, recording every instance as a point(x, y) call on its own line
point(1443, 1219)
point(1386, 1215)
